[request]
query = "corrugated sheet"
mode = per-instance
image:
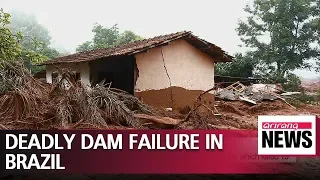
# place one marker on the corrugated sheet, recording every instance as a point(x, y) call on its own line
point(140, 46)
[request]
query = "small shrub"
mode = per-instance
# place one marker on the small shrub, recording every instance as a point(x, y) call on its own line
point(293, 83)
point(303, 98)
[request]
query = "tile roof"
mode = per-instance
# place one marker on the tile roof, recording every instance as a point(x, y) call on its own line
point(143, 45)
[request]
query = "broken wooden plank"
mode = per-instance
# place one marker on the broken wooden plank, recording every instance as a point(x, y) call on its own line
point(287, 103)
point(290, 93)
point(3, 127)
point(161, 120)
point(279, 97)
point(247, 100)
point(224, 127)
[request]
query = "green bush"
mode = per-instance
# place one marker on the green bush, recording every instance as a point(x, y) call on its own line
point(303, 98)
point(293, 83)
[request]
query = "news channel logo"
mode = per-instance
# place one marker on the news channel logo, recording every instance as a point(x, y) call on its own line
point(287, 135)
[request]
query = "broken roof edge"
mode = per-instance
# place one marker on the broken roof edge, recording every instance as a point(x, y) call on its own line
point(142, 46)
point(54, 61)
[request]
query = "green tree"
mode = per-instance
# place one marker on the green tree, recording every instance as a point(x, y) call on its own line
point(288, 27)
point(10, 48)
point(127, 37)
point(105, 37)
point(35, 36)
point(293, 83)
point(316, 28)
point(241, 66)
point(10, 43)
point(86, 46)
point(29, 26)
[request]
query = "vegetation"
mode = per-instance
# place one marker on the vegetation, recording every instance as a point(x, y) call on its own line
point(105, 37)
point(302, 99)
point(35, 37)
point(293, 83)
point(11, 48)
point(29, 27)
point(242, 66)
point(282, 35)
point(318, 97)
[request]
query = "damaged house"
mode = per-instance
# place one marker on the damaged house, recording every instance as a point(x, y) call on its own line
point(157, 70)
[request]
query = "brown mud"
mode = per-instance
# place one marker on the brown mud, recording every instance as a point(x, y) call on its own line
point(181, 98)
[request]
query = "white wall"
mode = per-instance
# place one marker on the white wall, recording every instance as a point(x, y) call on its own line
point(82, 68)
point(187, 66)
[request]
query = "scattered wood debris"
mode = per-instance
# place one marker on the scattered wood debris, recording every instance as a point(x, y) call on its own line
point(160, 120)
point(253, 94)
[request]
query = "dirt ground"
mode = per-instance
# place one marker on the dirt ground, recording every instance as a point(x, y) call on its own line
point(228, 115)
point(242, 115)
point(233, 114)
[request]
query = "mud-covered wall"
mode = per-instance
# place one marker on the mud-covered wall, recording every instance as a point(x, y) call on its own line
point(180, 100)
point(190, 70)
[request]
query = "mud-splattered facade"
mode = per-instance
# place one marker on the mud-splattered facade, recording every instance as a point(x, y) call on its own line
point(164, 71)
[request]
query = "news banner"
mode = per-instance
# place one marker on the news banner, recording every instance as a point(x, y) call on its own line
point(277, 143)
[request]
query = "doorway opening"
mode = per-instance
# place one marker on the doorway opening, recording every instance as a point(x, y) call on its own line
point(116, 71)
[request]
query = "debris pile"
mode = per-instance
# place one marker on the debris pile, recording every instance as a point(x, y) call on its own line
point(253, 94)
point(28, 103)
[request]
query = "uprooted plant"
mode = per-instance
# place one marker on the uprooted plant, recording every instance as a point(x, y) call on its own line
point(20, 94)
point(12, 75)
point(27, 103)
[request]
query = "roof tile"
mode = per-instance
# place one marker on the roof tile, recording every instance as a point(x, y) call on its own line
point(139, 46)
